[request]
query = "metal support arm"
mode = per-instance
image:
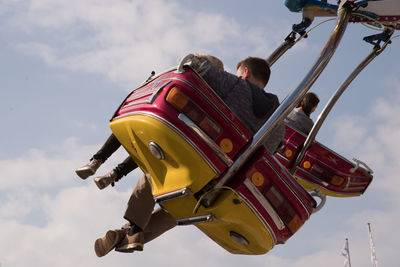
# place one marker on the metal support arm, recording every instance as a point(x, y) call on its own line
point(290, 102)
point(328, 107)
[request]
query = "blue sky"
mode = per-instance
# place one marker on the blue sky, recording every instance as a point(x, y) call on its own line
point(65, 66)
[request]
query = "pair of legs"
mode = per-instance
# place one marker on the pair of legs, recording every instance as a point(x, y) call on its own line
point(109, 147)
point(145, 223)
point(140, 211)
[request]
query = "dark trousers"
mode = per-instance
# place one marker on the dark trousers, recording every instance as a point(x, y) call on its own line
point(108, 148)
point(125, 167)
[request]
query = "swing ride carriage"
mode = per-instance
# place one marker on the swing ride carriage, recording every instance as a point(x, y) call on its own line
point(207, 169)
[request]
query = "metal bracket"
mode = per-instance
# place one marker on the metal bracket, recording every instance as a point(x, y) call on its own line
point(301, 27)
point(362, 3)
point(320, 195)
point(376, 39)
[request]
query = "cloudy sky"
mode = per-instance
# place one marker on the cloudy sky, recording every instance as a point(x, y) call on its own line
point(65, 66)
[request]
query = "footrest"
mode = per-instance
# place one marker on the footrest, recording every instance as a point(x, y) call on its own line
point(195, 219)
point(173, 195)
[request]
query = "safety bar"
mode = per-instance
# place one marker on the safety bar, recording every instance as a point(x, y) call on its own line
point(290, 102)
point(328, 107)
point(183, 61)
point(358, 163)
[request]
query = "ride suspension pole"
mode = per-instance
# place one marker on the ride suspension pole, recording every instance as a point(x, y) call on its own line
point(328, 107)
point(290, 102)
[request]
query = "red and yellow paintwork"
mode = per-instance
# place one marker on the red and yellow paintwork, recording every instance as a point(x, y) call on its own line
point(322, 168)
point(191, 162)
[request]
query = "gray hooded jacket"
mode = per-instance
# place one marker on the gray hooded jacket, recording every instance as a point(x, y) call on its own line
point(298, 119)
point(252, 105)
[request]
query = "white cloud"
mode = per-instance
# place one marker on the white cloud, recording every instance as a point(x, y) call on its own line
point(49, 217)
point(45, 52)
point(39, 169)
point(348, 130)
point(75, 214)
point(125, 40)
point(372, 138)
point(18, 203)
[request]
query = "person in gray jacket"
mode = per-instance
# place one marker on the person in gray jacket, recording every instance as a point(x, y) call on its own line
point(250, 104)
point(299, 118)
point(245, 96)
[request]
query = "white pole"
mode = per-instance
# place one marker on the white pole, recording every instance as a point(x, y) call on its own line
point(348, 248)
point(374, 260)
point(346, 253)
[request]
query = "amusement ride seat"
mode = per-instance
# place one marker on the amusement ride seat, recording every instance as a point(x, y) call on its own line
point(323, 169)
point(183, 137)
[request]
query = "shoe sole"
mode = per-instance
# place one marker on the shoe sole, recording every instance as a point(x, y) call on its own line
point(83, 174)
point(104, 245)
point(130, 248)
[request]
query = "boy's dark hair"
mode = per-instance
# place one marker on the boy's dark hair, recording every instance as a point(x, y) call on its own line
point(258, 67)
point(309, 101)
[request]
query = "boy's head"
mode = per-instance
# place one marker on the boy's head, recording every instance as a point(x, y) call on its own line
point(255, 70)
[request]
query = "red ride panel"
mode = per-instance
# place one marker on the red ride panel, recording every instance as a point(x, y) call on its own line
point(150, 100)
point(279, 200)
point(323, 167)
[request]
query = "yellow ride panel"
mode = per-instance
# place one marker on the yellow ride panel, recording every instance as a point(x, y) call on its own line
point(311, 187)
point(182, 167)
point(232, 214)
